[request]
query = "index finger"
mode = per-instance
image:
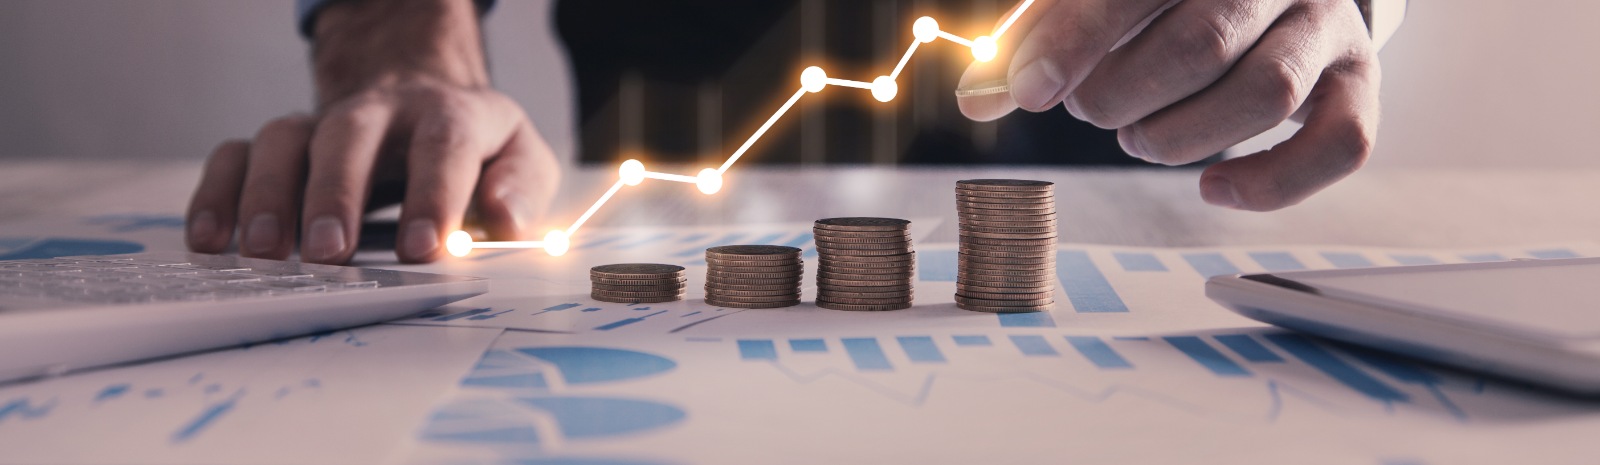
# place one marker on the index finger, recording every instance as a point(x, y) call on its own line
point(1064, 42)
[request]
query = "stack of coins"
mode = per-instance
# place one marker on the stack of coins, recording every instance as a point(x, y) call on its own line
point(630, 283)
point(865, 264)
point(1008, 245)
point(753, 276)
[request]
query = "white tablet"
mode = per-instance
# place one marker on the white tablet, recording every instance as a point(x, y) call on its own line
point(1532, 320)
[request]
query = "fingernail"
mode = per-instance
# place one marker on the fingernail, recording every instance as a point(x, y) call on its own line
point(202, 226)
point(325, 240)
point(262, 235)
point(1036, 85)
point(422, 237)
point(1219, 191)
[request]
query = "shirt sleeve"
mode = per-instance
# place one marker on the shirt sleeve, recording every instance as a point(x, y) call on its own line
point(305, 12)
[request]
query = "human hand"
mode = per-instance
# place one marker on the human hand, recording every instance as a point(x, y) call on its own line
point(405, 113)
point(1203, 76)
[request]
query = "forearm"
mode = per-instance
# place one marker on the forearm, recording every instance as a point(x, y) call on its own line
point(358, 44)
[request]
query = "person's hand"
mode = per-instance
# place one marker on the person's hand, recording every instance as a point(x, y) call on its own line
point(1202, 76)
point(405, 113)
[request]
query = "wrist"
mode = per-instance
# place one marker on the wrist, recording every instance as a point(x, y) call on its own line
point(359, 44)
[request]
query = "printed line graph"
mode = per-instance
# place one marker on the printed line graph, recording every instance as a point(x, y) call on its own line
point(709, 181)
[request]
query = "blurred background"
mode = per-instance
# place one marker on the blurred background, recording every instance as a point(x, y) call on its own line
point(1467, 83)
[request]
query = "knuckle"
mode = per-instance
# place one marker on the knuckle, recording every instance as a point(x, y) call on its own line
point(441, 136)
point(359, 116)
point(1278, 86)
point(1352, 145)
point(1204, 44)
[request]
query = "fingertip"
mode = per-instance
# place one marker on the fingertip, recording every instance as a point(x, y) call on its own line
point(419, 241)
point(203, 233)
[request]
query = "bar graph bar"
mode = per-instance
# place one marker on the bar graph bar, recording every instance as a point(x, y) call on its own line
point(1033, 346)
point(921, 349)
point(1413, 260)
point(808, 345)
point(1026, 320)
point(1553, 253)
point(1484, 257)
point(1210, 264)
point(648, 240)
point(1248, 348)
point(867, 354)
point(557, 308)
point(972, 341)
point(1207, 356)
point(1139, 261)
point(626, 321)
point(1277, 261)
point(457, 316)
point(936, 265)
point(490, 316)
point(701, 249)
point(1085, 285)
point(1329, 364)
point(1347, 259)
point(799, 240)
point(1098, 352)
point(769, 239)
point(757, 349)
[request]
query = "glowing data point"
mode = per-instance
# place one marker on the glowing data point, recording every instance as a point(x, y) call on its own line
point(709, 181)
point(458, 243)
point(813, 79)
point(632, 172)
point(984, 48)
point(555, 243)
point(884, 88)
point(926, 29)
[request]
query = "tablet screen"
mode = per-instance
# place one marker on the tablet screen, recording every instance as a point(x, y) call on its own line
point(1560, 298)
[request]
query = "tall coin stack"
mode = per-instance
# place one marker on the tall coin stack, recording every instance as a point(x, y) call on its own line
point(637, 283)
point(1007, 257)
point(753, 276)
point(865, 264)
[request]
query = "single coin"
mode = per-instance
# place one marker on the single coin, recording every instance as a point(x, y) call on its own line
point(1006, 185)
point(979, 89)
point(845, 257)
point(1005, 194)
point(1015, 261)
point(754, 298)
point(752, 282)
point(990, 235)
point(863, 240)
point(978, 211)
point(636, 282)
point(978, 267)
point(819, 232)
point(986, 309)
point(1002, 302)
point(902, 287)
point(1027, 222)
point(759, 269)
point(856, 301)
point(657, 287)
point(970, 240)
point(902, 246)
point(830, 295)
point(866, 265)
point(864, 277)
point(714, 292)
point(863, 224)
point(860, 282)
point(1039, 274)
point(1005, 296)
point(794, 286)
point(1034, 203)
point(1009, 208)
point(744, 263)
point(628, 294)
point(965, 289)
point(863, 308)
point(637, 300)
point(985, 251)
point(870, 271)
point(717, 303)
point(752, 252)
point(1020, 286)
point(837, 253)
point(1045, 231)
point(636, 271)
point(776, 275)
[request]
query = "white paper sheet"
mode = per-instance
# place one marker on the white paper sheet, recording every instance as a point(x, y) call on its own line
point(351, 396)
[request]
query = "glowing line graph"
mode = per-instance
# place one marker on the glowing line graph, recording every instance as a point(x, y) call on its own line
point(709, 181)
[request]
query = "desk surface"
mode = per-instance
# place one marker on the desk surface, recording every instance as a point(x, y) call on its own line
point(1132, 356)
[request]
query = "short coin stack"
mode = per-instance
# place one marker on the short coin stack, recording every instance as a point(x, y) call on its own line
point(637, 283)
point(865, 264)
point(753, 276)
point(1007, 246)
